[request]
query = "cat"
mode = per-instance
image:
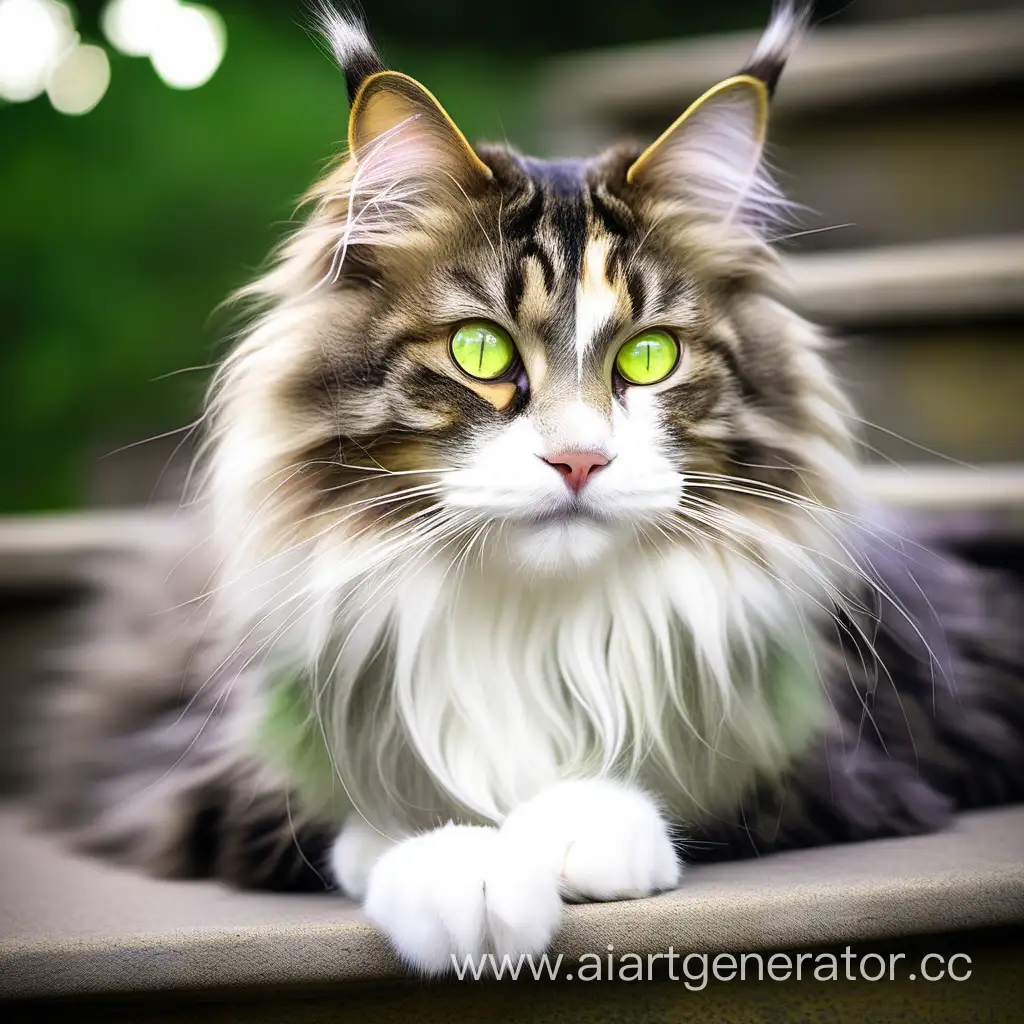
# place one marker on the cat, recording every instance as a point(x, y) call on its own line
point(529, 557)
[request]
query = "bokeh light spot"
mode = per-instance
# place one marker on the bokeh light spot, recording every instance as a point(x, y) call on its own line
point(79, 81)
point(34, 36)
point(191, 47)
point(185, 42)
point(135, 26)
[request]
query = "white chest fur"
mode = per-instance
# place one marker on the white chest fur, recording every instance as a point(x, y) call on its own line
point(476, 692)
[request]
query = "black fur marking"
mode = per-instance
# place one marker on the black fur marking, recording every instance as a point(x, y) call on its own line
point(749, 390)
point(520, 403)
point(677, 292)
point(359, 60)
point(612, 215)
point(204, 838)
point(532, 248)
point(789, 20)
point(426, 388)
point(271, 853)
point(768, 71)
point(470, 284)
point(562, 178)
point(636, 286)
point(523, 219)
point(515, 283)
point(360, 67)
point(756, 460)
point(569, 221)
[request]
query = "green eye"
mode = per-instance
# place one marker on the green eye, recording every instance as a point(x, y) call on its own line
point(647, 358)
point(483, 350)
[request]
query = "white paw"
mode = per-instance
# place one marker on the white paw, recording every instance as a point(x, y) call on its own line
point(462, 890)
point(605, 840)
point(355, 852)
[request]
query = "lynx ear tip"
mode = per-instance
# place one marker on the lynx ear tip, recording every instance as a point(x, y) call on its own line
point(350, 44)
point(788, 25)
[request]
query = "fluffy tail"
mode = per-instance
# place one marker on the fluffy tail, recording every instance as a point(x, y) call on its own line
point(133, 750)
point(787, 26)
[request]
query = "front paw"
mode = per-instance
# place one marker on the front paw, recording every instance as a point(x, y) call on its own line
point(459, 891)
point(355, 852)
point(605, 840)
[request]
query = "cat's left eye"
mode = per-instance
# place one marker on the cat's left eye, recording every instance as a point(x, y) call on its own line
point(648, 358)
point(483, 350)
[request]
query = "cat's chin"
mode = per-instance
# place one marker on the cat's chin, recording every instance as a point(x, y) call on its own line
point(559, 547)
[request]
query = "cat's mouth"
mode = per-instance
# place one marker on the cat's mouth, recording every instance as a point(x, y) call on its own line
point(563, 538)
point(565, 515)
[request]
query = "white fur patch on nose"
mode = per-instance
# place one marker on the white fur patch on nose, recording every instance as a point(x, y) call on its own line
point(578, 426)
point(581, 426)
point(596, 298)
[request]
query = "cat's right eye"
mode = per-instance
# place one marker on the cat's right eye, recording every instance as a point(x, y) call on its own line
point(482, 350)
point(648, 358)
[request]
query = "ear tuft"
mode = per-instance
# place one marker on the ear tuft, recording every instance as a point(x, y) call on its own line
point(785, 30)
point(350, 43)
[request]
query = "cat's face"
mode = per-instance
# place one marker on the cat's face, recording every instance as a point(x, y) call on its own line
point(551, 361)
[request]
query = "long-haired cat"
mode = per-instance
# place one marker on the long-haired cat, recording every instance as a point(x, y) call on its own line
point(532, 554)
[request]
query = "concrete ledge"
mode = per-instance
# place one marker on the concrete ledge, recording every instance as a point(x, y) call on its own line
point(71, 926)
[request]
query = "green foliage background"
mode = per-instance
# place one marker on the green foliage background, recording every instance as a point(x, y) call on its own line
point(122, 230)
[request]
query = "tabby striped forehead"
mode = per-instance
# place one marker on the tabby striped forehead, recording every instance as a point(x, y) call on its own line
point(559, 253)
point(568, 258)
point(573, 277)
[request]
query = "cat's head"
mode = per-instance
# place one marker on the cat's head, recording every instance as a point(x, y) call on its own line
point(554, 361)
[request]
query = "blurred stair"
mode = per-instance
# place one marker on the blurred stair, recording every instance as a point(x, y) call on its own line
point(929, 343)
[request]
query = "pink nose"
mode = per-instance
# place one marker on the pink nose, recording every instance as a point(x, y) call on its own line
point(576, 467)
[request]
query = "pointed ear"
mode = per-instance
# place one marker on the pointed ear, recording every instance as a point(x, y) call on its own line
point(397, 131)
point(711, 154)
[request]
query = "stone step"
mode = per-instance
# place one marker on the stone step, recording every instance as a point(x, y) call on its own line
point(94, 936)
point(913, 285)
point(930, 342)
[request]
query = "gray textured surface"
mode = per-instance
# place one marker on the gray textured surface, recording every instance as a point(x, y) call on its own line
point(69, 925)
